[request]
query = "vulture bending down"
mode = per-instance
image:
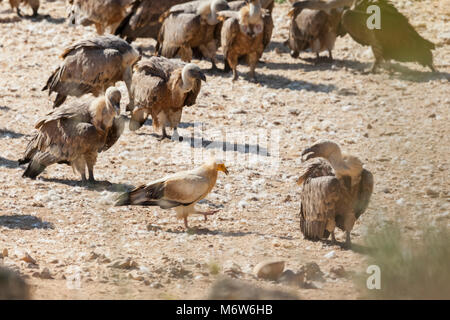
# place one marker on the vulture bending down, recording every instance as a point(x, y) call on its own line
point(336, 191)
point(180, 191)
point(190, 26)
point(395, 40)
point(162, 87)
point(242, 35)
point(91, 66)
point(313, 29)
point(101, 13)
point(33, 4)
point(74, 135)
point(142, 21)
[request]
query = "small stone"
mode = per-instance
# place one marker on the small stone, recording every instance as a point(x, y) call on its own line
point(431, 193)
point(156, 285)
point(339, 271)
point(291, 278)
point(28, 258)
point(232, 269)
point(5, 253)
point(45, 274)
point(123, 264)
point(330, 254)
point(312, 271)
point(270, 269)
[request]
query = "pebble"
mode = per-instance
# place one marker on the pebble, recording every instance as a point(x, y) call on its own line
point(127, 263)
point(269, 269)
point(330, 254)
point(338, 271)
point(28, 258)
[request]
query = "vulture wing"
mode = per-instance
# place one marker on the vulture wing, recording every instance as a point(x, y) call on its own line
point(364, 194)
point(114, 132)
point(229, 32)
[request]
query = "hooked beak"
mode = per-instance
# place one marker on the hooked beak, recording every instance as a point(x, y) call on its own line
point(309, 153)
point(201, 76)
point(222, 168)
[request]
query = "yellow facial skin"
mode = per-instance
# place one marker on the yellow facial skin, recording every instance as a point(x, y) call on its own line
point(221, 167)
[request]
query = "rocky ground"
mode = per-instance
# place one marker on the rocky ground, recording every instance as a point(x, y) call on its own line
point(69, 242)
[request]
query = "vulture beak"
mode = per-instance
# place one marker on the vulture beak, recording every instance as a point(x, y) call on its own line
point(309, 153)
point(221, 167)
point(201, 76)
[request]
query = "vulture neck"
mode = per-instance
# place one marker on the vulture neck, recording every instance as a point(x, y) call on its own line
point(255, 9)
point(343, 166)
point(187, 81)
point(212, 17)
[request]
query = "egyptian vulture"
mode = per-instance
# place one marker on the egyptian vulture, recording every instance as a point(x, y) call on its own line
point(142, 21)
point(242, 35)
point(33, 4)
point(102, 13)
point(74, 135)
point(190, 26)
point(180, 191)
point(336, 191)
point(162, 87)
point(315, 30)
point(91, 66)
point(395, 40)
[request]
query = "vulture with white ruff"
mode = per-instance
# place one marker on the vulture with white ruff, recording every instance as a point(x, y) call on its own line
point(336, 191)
point(161, 87)
point(92, 66)
point(180, 191)
point(395, 40)
point(75, 134)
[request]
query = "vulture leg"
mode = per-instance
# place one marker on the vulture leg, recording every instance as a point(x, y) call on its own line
point(252, 61)
point(333, 238)
point(80, 166)
point(185, 223)
point(330, 55)
point(294, 54)
point(18, 12)
point(163, 135)
point(175, 135)
point(317, 58)
point(207, 213)
point(90, 162)
point(99, 28)
point(348, 242)
point(59, 100)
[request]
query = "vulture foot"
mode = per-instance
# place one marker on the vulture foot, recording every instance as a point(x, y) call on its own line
point(208, 213)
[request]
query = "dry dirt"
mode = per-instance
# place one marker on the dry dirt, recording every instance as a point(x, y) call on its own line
point(397, 123)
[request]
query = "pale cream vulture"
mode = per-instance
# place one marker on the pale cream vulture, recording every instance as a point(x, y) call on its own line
point(336, 191)
point(190, 26)
point(74, 135)
point(161, 88)
point(92, 66)
point(102, 13)
point(180, 191)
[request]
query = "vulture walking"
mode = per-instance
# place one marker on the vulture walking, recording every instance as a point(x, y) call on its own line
point(142, 21)
point(190, 26)
point(162, 87)
point(336, 191)
point(33, 4)
point(242, 35)
point(395, 40)
point(92, 66)
point(102, 13)
point(314, 30)
point(74, 135)
point(180, 191)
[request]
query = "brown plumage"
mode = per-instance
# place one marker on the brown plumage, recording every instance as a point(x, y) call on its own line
point(91, 66)
point(162, 87)
point(190, 26)
point(180, 191)
point(74, 135)
point(33, 4)
point(142, 21)
point(242, 35)
point(102, 13)
point(336, 191)
point(395, 40)
point(313, 29)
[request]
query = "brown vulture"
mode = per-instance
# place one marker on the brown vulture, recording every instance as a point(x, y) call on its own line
point(33, 4)
point(396, 39)
point(102, 13)
point(74, 135)
point(190, 26)
point(162, 87)
point(336, 191)
point(91, 66)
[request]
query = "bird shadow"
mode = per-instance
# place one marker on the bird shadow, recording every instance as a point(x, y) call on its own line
point(11, 164)
point(402, 72)
point(99, 185)
point(5, 133)
point(276, 81)
point(357, 248)
point(45, 17)
point(24, 222)
point(5, 108)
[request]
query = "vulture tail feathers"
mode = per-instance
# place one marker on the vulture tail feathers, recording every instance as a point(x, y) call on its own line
point(143, 195)
point(124, 23)
point(40, 161)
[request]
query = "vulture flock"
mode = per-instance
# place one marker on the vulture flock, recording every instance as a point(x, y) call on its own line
point(335, 188)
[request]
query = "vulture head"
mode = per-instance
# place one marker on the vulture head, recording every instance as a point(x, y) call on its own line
point(209, 10)
point(190, 74)
point(216, 165)
point(251, 24)
point(322, 149)
point(113, 97)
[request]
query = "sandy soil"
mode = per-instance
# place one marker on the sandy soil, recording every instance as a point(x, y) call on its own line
point(398, 124)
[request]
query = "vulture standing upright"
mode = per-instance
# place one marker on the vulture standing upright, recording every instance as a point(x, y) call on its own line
point(313, 29)
point(74, 135)
point(142, 21)
point(91, 66)
point(102, 13)
point(180, 191)
point(243, 35)
point(336, 191)
point(162, 87)
point(190, 26)
point(395, 40)
point(33, 4)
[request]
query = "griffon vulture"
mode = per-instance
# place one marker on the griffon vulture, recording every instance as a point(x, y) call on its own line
point(395, 40)
point(313, 29)
point(336, 191)
point(180, 191)
point(190, 26)
point(162, 87)
point(33, 4)
point(102, 13)
point(74, 135)
point(91, 66)
point(242, 35)
point(142, 21)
